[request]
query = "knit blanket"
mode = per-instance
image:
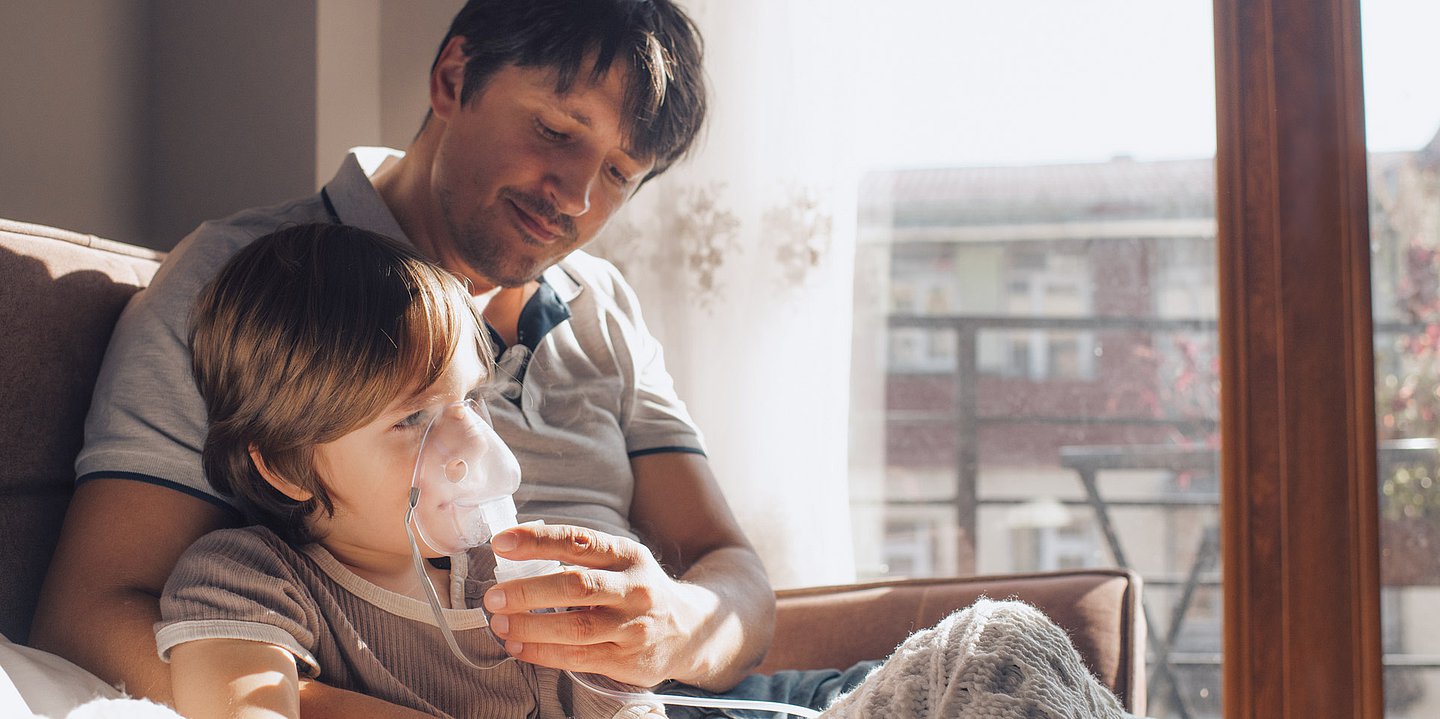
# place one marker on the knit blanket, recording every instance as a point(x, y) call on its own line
point(996, 660)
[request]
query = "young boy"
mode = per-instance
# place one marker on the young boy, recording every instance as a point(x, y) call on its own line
point(322, 353)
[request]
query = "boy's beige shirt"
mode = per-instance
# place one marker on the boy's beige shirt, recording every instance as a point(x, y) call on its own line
point(249, 584)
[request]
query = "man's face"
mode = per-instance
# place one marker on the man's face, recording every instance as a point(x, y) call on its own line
point(523, 175)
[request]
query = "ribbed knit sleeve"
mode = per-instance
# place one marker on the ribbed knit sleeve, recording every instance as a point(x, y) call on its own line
point(235, 584)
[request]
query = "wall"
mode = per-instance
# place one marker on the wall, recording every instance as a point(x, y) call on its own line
point(138, 119)
point(71, 116)
point(410, 36)
point(373, 63)
point(230, 104)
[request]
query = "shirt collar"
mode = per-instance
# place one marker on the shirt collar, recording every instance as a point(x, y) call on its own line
point(355, 200)
point(565, 286)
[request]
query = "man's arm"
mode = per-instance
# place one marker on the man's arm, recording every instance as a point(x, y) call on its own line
point(680, 511)
point(641, 626)
point(101, 598)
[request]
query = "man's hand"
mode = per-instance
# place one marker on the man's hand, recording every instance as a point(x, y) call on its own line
point(628, 619)
point(635, 622)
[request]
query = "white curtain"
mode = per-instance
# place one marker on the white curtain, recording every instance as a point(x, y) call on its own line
point(743, 257)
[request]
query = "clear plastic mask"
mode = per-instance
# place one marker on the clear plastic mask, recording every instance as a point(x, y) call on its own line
point(464, 478)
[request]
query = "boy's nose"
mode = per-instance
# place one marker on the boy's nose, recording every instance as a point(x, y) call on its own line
point(456, 470)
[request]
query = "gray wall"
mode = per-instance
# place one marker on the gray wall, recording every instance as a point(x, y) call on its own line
point(410, 36)
point(70, 114)
point(230, 107)
point(137, 119)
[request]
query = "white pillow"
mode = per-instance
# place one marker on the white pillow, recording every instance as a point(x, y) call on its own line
point(122, 709)
point(33, 682)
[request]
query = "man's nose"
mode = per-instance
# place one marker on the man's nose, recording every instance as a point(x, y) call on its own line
point(570, 186)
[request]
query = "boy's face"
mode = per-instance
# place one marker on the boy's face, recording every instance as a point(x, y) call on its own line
point(524, 175)
point(368, 471)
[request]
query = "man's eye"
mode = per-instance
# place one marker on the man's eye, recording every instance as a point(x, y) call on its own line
point(619, 176)
point(548, 133)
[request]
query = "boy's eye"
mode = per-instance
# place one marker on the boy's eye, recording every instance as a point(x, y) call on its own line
point(413, 420)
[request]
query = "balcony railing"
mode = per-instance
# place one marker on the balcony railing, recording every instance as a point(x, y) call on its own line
point(967, 420)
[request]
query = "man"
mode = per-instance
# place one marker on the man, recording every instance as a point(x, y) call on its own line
point(546, 115)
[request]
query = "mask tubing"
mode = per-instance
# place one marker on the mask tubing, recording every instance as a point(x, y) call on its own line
point(430, 589)
point(704, 702)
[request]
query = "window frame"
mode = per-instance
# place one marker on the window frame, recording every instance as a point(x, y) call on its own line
point(1298, 454)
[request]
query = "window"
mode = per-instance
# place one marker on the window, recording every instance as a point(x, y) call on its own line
point(1052, 292)
point(1403, 139)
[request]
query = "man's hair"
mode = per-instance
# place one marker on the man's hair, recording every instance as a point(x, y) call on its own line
point(656, 42)
point(305, 335)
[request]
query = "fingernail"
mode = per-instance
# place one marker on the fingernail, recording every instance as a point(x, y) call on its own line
point(495, 599)
point(505, 542)
point(500, 623)
point(514, 647)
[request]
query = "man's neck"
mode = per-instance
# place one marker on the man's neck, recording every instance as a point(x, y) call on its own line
point(503, 312)
point(404, 187)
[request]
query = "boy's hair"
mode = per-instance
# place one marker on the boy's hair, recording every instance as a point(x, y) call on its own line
point(656, 42)
point(305, 335)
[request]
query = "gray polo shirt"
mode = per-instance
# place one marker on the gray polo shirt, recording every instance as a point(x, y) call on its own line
point(590, 388)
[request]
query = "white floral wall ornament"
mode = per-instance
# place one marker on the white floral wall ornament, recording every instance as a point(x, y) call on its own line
point(709, 235)
point(801, 231)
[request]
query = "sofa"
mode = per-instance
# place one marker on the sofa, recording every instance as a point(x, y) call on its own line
point(59, 299)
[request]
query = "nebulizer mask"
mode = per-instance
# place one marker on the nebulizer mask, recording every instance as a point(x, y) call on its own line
point(461, 495)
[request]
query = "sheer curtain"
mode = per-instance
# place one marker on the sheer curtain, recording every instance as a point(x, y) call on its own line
point(742, 257)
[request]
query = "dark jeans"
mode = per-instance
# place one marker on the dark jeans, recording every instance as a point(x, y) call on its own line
point(814, 688)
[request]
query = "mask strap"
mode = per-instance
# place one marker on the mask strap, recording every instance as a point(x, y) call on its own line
point(430, 588)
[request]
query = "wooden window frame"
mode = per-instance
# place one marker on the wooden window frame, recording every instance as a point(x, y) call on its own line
point(1298, 451)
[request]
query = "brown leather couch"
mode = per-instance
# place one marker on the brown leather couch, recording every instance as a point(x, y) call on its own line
point(60, 293)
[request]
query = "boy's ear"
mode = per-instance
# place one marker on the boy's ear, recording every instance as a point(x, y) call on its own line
point(281, 485)
point(447, 80)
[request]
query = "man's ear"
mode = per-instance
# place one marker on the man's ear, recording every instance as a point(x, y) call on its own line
point(447, 80)
point(281, 485)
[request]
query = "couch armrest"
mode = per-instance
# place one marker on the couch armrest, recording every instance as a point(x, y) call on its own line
point(837, 626)
point(59, 299)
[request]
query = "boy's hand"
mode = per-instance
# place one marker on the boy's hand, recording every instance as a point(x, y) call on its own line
point(629, 621)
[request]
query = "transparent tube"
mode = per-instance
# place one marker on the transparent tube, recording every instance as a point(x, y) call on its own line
point(705, 702)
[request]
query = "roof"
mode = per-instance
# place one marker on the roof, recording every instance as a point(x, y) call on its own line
point(1122, 189)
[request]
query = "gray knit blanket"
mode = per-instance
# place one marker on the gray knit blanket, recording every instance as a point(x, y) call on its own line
point(996, 660)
